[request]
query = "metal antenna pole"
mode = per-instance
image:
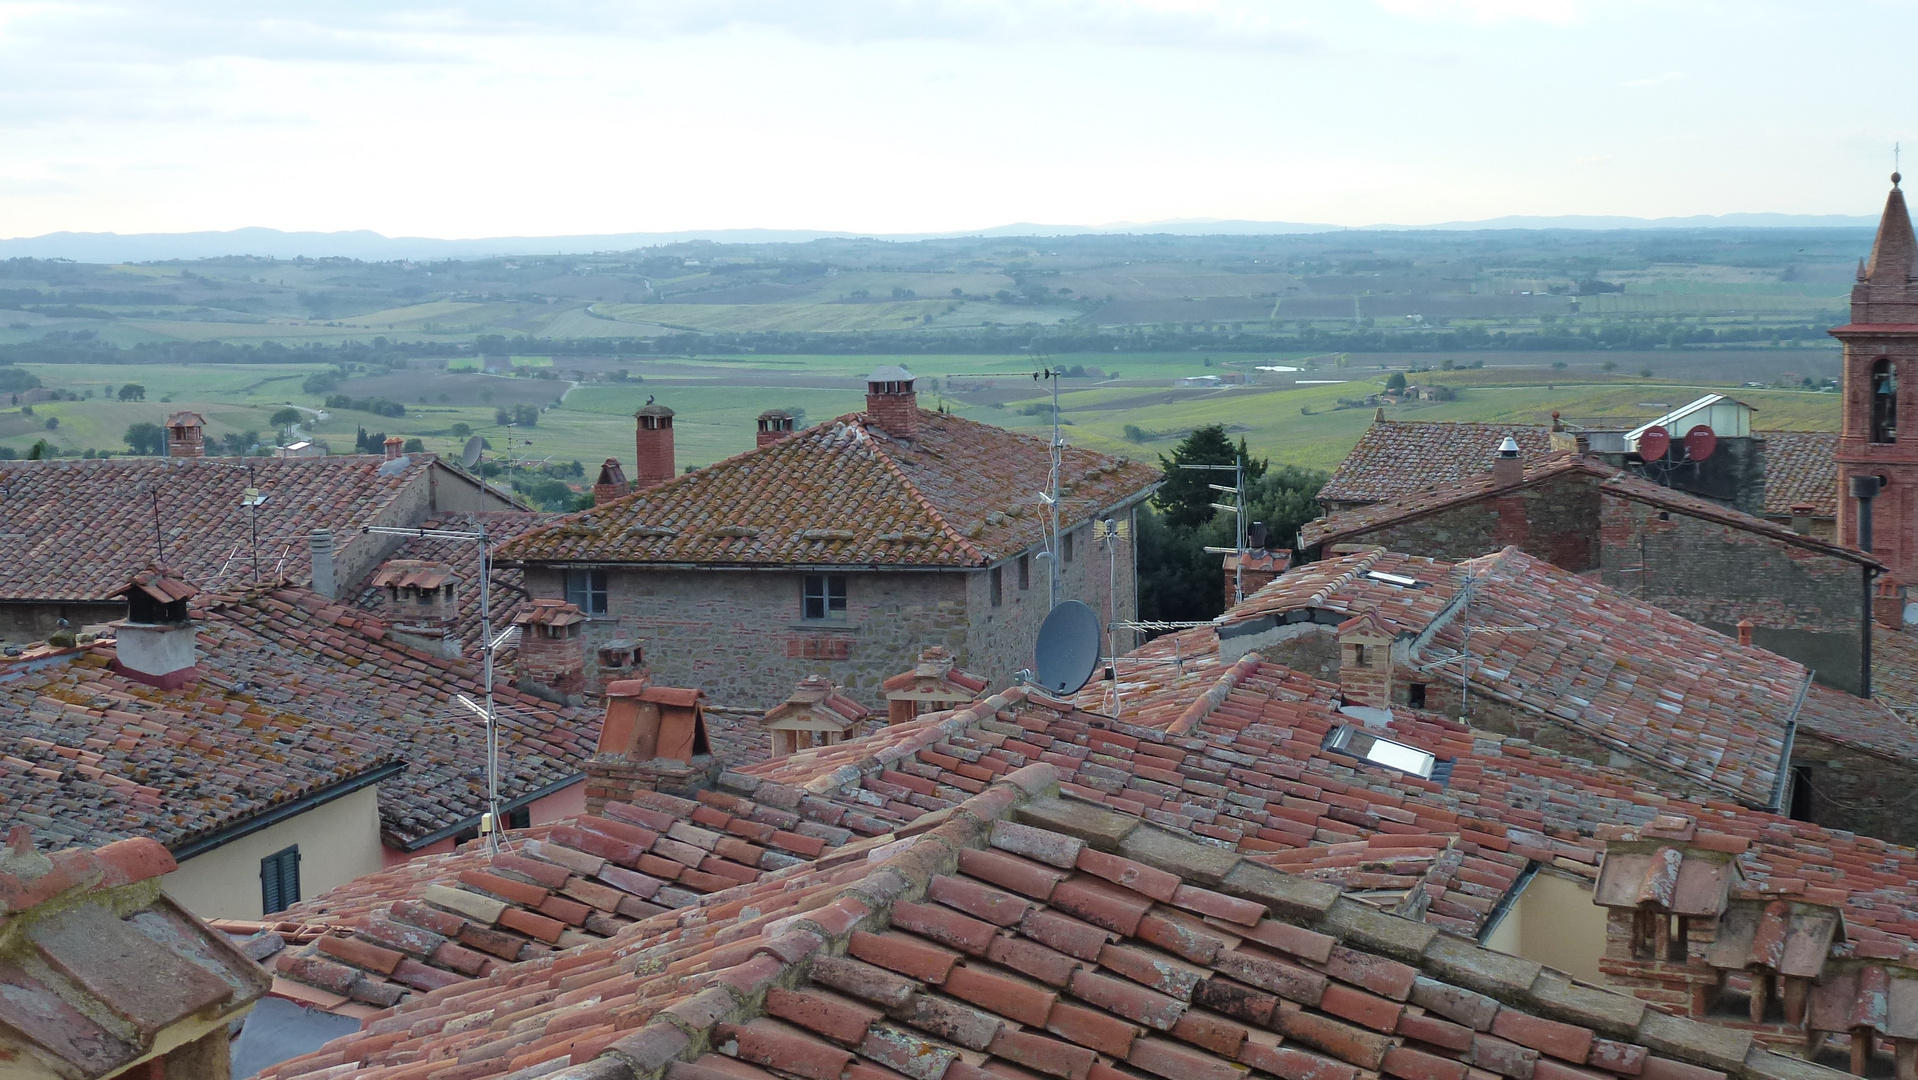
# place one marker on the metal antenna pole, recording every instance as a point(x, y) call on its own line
point(253, 519)
point(159, 542)
point(1238, 562)
point(1052, 509)
point(492, 723)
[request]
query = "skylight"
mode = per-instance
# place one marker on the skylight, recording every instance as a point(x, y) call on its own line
point(1400, 580)
point(1393, 755)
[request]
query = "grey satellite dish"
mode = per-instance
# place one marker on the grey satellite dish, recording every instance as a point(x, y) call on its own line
point(469, 457)
point(1068, 649)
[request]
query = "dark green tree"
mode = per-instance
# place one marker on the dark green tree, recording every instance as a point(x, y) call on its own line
point(1184, 498)
point(285, 418)
point(133, 392)
point(1395, 381)
point(149, 439)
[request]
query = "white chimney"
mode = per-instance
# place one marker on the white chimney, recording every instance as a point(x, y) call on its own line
point(321, 544)
point(155, 644)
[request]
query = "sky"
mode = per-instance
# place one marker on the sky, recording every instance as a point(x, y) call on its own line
point(489, 118)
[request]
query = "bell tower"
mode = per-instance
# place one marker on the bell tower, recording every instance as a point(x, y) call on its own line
point(1880, 383)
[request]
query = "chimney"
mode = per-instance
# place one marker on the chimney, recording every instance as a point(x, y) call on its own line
point(1801, 518)
point(891, 403)
point(154, 644)
point(1253, 572)
point(1365, 662)
point(611, 484)
point(321, 545)
point(774, 425)
point(552, 660)
point(653, 739)
point(1864, 489)
point(1888, 606)
point(654, 440)
point(1745, 628)
point(935, 684)
point(186, 435)
point(393, 444)
point(422, 604)
point(817, 714)
point(1507, 467)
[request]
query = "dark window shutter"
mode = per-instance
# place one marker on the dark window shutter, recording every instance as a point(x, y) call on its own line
point(280, 880)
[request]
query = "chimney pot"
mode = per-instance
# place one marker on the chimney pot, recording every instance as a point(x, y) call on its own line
point(774, 425)
point(393, 445)
point(1745, 628)
point(891, 403)
point(653, 437)
point(321, 546)
point(552, 656)
point(1366, 672)
point(1801, 518)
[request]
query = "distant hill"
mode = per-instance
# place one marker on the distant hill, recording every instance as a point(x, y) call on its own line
point(372, 246)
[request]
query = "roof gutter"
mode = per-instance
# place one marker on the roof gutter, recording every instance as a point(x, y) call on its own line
point(276, 814)
point(506, 806)
point(1791, 736)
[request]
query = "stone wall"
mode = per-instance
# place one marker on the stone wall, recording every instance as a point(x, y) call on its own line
point(1000, 640)
point(1807, 606)
point(1851, 790)
point(1556, 520)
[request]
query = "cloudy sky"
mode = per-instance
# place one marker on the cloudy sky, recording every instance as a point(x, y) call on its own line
point(492, 118)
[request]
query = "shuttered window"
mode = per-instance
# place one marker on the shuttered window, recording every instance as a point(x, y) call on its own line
point(280, 880)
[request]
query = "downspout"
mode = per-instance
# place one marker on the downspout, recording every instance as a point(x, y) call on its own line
point(1791, 738)
point(1865, 489)
point(1866, 573)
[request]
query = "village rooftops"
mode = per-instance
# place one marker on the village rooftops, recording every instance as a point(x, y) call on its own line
point(1028, 933)
point(845, 493)
point(1397, 459)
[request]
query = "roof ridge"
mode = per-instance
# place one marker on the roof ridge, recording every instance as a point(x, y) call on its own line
point(884, 457)
point(1202, 707)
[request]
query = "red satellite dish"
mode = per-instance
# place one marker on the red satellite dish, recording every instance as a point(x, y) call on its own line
point(1653, 442)
point(1700, 442)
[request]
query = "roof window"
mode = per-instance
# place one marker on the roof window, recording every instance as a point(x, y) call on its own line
point(1393, 755)
point(1400, 580)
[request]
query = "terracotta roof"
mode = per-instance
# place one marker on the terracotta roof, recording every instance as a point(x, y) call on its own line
point(843, 493)
point(508, 585)
point(1894, 667)
point(79, 529)
point(1032, 934)
point(935, 678)
point(1800, 467)
point(1398, 457)
point(101, 968)
point(163, 586)
point(1613, 482)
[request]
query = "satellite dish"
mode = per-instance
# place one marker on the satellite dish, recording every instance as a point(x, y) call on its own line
point(469, 457)
point(1654, 442)
point(1068, 649)
point(1700, 442)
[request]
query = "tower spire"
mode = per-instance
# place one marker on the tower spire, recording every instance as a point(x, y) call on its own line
point(1895, 250)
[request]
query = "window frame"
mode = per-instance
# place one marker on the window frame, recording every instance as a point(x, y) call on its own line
point(995, 586)
point(589, 590)
point(830, 602)
point(1066, 544)
point(1025, 571)
point(282, 865)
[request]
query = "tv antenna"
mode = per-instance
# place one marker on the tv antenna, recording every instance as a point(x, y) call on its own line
point(1068, 649)
point(1237, 506)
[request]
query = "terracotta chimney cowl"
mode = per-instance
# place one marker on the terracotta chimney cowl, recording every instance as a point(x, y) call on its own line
point(393, 446)
point(1745, 628)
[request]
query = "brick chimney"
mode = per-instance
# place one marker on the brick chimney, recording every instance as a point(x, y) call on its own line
point(1508, 468)
point(1366, 672)
point(891, 403)
point(1258, 570)
point(653, 739)
point(155, 643)
point(774, 425)
point(393, 446)
point(552, 659)
point(612, 483)
point(1888, 604)
point(1801, 518)
point(186, 435)
point(1665, 885)
point(654, 440)
point(1745, 628)
point(422, 604)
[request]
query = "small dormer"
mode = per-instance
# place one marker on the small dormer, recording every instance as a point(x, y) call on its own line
point(155, 643)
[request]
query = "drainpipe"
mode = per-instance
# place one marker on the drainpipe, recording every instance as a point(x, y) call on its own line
point(1864, 489)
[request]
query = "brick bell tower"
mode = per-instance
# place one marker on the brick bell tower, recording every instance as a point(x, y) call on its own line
point(1880, 384)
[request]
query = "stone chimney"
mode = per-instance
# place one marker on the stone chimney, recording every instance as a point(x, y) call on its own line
point(1745, 628)
point(393, 446)
point(1366, 671)
point(817, 714)
point(154, 644)
point(1801, 518)
point(654, 440)
point(186, 435)
point(653, 739)
point(422, 604)
point(321, 545)
point(552, 659)
point(891, 403)
point(1508, 468)
point(612, 483)
point(774, 425)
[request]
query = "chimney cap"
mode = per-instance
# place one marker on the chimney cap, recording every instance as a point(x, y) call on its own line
point(163, 585)
point(777, 413)
point(185, 419)
point(1864, 487)
point(654, 410)
point(1508, 448)
point(890, 373)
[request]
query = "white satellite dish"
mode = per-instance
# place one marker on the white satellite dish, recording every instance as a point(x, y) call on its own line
point(1068, 649)
point(470, 456)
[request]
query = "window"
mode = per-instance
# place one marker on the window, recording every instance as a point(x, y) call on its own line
point(280, 880)
point(586, 590)
point(520, 817)
point(824, 598)
point(1065, 542)
point(1025, 571)
point(1392, 755)
point(993, 586)
point(1800, 793)
point(1415, 695)
point(1884, 402)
